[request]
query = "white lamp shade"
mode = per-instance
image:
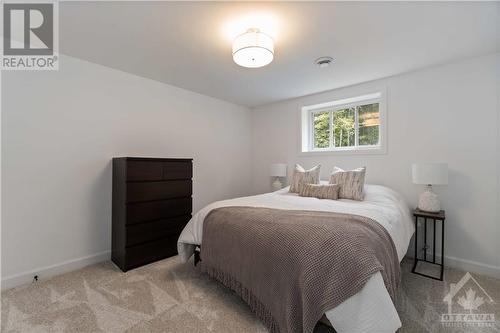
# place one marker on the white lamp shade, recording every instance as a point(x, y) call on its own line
point(253, 49)
point(278, 170)
point(430, 173)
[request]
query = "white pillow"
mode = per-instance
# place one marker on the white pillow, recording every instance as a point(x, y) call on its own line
point(351, 182)
point(301, 176)
point(320, 191)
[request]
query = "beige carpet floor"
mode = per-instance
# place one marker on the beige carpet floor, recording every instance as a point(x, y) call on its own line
point(168, 296)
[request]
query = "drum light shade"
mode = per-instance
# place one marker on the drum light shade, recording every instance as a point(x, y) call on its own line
point(430, 173)
point(253, 49)
point(278, 170)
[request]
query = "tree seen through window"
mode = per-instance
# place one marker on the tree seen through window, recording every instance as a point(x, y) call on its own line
point(345, 132)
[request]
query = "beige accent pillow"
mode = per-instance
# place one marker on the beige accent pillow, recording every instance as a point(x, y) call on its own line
point(301, 176)
point(351, 182)
point(330, 191)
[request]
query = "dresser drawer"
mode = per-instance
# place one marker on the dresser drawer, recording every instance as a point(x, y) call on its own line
point(146, 253)
point(144, 232)
point(151, 205)
point(155, 210)
point(146, 191)
point(177, 170)
point(144, 170)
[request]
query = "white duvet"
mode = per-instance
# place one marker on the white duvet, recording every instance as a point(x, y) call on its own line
point(370, 310)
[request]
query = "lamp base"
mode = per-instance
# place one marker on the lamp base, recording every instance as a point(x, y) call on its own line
point(277, 184)
point(429, 201)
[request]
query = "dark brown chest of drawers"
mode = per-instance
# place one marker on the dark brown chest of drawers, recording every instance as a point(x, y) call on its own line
point(151, 205)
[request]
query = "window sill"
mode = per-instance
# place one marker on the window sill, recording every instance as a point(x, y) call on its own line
point(356, 151)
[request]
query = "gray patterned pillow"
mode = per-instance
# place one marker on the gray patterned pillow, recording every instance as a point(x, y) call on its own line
point(351, 182)
point(301, 176)
point(330, 191)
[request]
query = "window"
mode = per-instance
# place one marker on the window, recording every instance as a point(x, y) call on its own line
point(352, 124)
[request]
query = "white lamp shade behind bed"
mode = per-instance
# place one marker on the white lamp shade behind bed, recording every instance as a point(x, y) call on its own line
point(278, 170)
point(429, 174)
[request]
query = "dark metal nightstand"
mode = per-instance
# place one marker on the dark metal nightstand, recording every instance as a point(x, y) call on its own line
point(440, 216)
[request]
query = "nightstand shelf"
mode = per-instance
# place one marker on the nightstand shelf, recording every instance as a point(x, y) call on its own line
point(434, 217)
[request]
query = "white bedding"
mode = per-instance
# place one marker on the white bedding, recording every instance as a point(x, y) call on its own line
point(370, 310)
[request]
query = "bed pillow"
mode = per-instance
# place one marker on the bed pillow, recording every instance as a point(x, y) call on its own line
point(351, 182)
point(330, 191)
point(301, 176)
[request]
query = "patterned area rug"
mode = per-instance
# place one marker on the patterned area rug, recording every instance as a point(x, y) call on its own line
point(168, 296)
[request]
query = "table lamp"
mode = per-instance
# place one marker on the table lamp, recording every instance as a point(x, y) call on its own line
point(278, 170)
point(429, 174)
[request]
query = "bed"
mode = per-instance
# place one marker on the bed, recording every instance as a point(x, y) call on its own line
point(371, 309)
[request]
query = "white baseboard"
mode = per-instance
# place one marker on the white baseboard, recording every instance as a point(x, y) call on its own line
point(71, 265)
point(467, 265)
point(53, 270)
point(472, 266)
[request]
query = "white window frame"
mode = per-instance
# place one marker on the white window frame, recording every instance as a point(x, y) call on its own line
point(307, 124)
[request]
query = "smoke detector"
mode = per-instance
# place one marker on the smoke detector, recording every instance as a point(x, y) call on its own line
point(323, 62)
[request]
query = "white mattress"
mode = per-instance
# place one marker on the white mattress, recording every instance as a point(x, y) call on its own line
point(370, 310)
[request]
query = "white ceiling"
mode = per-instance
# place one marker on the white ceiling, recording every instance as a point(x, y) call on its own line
point(183, 44)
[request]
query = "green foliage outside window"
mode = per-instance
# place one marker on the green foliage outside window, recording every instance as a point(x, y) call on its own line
point(343, 121)
point(344, 130)
point(369, 124)
point(322, 130)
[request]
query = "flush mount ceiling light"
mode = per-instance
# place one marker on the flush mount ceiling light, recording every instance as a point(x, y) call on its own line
point(323, 62)
point(253, 49)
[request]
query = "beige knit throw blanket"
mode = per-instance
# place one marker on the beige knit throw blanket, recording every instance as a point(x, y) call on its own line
point(292, 266)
